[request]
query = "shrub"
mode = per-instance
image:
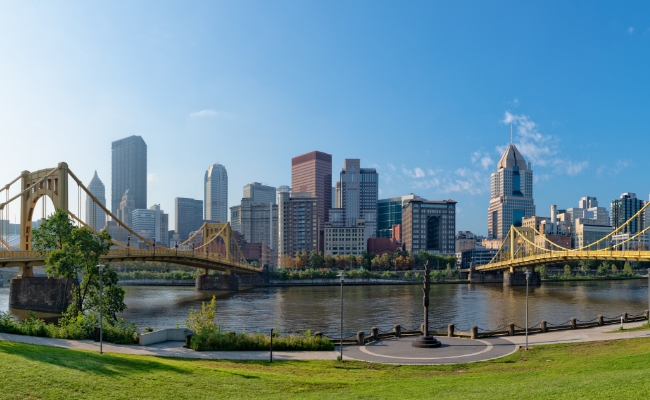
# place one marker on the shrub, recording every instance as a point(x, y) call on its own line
point(202, 322)
point(231, 341)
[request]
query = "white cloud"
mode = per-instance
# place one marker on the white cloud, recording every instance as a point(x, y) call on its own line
point(417, 172)
point(392, 167)
point(427, 183)
point(630, 30)
point(570, 167)
point(614, 169)
point(538, 148)
point(483, 159)
point(208, 113)
point(152, 177)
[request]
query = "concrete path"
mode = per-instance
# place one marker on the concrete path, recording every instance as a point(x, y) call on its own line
point(170, 349)
point(387, 351)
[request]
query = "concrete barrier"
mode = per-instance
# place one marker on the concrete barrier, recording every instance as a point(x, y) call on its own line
point(165, 335)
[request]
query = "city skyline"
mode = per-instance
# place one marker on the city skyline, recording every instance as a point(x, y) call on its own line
point(431, 128)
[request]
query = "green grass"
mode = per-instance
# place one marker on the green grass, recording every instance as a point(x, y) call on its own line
point(644, 327)
point(613, 369)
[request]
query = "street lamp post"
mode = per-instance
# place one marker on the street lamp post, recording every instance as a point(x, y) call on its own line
point(342, 278)
point(101, 309)
point(154, 247)
point(128, 243)
point(528, 273)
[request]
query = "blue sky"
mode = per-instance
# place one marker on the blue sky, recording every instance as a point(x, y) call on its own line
point(423, 91)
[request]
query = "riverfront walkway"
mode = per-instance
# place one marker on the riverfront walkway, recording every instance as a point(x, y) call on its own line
point(387, 351)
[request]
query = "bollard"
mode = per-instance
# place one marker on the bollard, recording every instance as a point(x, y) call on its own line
point(573, 323)
point(646, 314)
point(474, 332)
point(397, 330)
point(543, 326)
point(318, 335)
point(422, 329)
point(625, 317)
point(188, 341)
point(601, 320)
point(511, 330)
point(450, 330)
point(361, 338)
point(374, 333)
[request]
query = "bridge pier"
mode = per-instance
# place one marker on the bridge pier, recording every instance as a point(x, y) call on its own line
point(485, 277)
point(217, 282)
point(518, 278)
point(50, 295)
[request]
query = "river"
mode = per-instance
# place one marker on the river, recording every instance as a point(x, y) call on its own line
point(489, 306)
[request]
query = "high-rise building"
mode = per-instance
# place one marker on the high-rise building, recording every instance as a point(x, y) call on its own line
point(298, 228)
point(144, 224)
point(161, 225)
point(129, 171)
point(389, 213)
point(216, 193)
point(348, 240)
point(429, 225)
point(126, 206)
point(511, 193)
point(259, 193)
point(189, 216)
point(624, 208)
point(257, 222)
point(588, 209)
point(359, 190)
point(95, 216)
point(312, 173)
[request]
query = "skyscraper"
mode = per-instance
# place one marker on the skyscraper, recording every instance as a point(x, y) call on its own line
point(216, 193)
point(189, 216)
point(129, 171)
point(95, 216)
point(161, 225)
point(511, 193)
point(257, 222)
point(259, 193)
point(359, 190)
point(125, 212)
point(429, 225)
point(624, 208)
point(312, 173)
point(389, 213)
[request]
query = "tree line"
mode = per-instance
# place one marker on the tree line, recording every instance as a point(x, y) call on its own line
point(398, 260)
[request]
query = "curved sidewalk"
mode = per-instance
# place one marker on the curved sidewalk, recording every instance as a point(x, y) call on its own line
point(387, 351)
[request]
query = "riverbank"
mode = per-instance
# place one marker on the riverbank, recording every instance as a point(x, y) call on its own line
point(611, 369)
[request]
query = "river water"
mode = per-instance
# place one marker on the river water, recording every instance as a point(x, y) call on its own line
point(489, 306)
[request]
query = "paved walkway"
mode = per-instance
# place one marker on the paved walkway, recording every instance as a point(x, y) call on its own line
point(387, 351)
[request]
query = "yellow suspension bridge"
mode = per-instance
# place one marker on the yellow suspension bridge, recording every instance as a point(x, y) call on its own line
point(525, 247)
point(218, 251)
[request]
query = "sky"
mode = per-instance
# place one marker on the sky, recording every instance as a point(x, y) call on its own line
point(424, 92)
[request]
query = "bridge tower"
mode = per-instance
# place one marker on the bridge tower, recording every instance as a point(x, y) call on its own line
point(51, 182)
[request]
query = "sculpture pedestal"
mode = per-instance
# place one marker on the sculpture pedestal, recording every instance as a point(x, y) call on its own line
point(426, 342)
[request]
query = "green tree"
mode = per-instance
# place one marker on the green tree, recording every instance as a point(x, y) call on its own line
point(567, 270)
point(628, 270)
point(603, 269)
point(316, 260)
point(330, 262)
point(74, 253)
point(542, 271)
point(614, 269)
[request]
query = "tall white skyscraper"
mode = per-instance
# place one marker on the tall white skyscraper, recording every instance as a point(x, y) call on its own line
point(216, 193)
point(358, 195)
point(259, 193)
point(95, 216)
point(511, 193)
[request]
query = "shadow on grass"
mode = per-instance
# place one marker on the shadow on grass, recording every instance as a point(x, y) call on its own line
point(86, 361)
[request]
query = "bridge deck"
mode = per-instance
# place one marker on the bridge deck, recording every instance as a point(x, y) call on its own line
point(552, 257)
point(181, 257)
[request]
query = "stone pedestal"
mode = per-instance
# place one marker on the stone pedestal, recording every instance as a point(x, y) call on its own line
point(519, 279)
point(50, 295)
point(217, 282)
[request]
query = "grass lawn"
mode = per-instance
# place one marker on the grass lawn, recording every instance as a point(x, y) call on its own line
point(614, 369)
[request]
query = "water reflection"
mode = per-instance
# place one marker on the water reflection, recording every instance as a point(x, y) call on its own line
point(317, 308)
